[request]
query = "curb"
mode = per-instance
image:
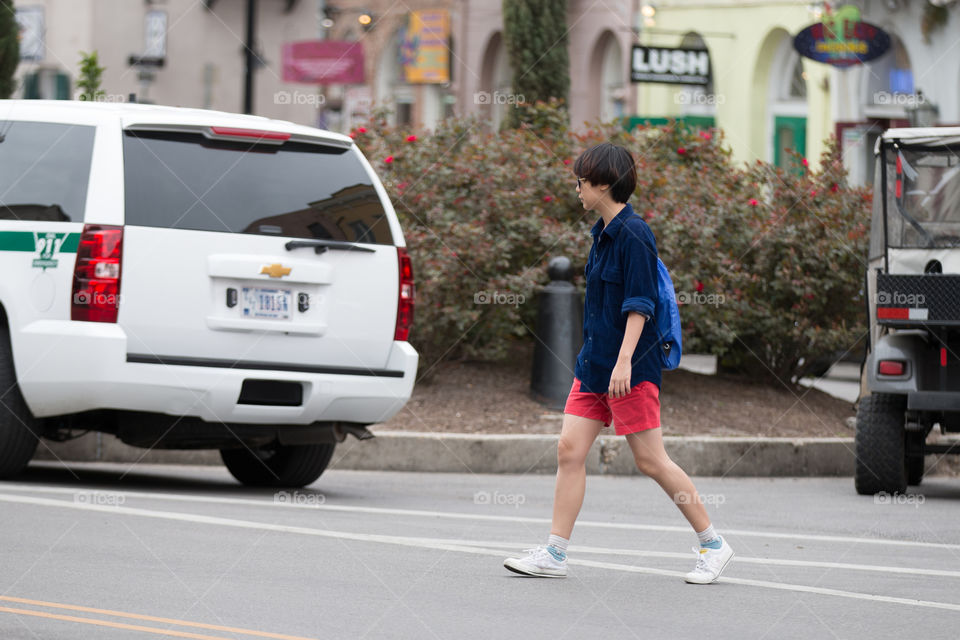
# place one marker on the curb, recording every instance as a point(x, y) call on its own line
point(524, 454)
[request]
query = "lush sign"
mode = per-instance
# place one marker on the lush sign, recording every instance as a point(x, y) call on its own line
point(842, 39)
point(670, 65)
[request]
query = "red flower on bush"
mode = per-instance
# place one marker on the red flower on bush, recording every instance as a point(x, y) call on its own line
point(705, 135)
point(681, 151)
point(754, 202)
point(388, 159)
point(834, 187)
point(566, 161)
point(361, 129)
point(411, 138)
point(805, 163)
point(547, 198)
point(813, 193)
point(699, 286)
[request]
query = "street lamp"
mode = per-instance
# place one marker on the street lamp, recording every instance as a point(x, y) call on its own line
point(922, 113)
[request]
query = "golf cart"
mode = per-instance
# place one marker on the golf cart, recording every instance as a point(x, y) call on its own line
point(911, 377)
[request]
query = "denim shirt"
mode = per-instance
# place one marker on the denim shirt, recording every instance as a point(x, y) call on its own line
point(621, 277)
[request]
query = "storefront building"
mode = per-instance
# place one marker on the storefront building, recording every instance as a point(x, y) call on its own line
point(424, 60)
point(768, 99)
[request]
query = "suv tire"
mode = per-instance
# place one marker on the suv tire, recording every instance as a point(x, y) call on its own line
point(18, 427)
point(880, 445)
point(278, 465)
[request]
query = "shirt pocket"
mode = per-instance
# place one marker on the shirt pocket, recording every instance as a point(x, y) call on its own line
point(612, 278)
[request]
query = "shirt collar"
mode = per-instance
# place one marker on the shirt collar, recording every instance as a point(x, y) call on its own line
point(615, 224)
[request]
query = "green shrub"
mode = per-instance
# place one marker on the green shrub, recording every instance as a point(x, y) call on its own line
point(767, 263)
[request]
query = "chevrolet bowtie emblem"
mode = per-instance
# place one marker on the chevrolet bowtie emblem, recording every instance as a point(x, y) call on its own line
point(275, 270)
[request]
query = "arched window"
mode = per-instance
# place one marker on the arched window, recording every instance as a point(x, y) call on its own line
point(787, 99)
point(697, 100)
point(890, 81)
point(608, 90)
point(392, 88)
point(496, 82)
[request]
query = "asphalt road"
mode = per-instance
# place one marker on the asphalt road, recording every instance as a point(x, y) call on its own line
point(111, 551)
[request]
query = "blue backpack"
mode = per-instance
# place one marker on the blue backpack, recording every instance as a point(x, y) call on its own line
point(666, 319)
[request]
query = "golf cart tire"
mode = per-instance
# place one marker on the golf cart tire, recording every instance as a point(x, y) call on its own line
point(914, 463)
point(880, 445)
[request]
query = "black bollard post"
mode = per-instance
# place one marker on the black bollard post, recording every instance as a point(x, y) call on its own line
point(559, 336)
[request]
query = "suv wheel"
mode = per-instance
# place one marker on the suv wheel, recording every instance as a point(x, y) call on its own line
point(278, 465)
point(18, 427)
point(880, 445)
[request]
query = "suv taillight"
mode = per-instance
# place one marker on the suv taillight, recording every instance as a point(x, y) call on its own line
point(405, 301)
point(96, 276)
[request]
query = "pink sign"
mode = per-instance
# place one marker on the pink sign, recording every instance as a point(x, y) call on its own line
point(323, 62)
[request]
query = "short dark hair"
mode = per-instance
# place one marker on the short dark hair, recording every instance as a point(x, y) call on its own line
point(608, 164)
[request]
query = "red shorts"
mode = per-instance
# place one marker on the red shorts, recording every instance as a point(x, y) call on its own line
point(639, 410)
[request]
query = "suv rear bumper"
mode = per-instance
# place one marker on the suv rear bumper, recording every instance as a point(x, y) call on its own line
point(68, 367)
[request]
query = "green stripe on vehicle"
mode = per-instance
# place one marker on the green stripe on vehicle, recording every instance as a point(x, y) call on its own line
point(26, 241)
point(17, 241)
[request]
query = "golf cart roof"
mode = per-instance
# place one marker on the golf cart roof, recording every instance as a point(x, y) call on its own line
point(924, 135)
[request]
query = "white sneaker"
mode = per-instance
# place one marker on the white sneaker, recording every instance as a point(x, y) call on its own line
point(710, 563)
point(540, 562)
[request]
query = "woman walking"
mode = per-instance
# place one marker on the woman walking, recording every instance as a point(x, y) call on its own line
point(617, 376)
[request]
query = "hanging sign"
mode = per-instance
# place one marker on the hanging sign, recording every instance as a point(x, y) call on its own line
point(842, 39)
point(323, 62)
point(425, 47)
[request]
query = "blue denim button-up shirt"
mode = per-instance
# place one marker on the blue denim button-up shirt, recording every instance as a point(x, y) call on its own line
point(621, 277)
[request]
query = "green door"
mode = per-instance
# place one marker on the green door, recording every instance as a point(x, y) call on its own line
point(789, 133)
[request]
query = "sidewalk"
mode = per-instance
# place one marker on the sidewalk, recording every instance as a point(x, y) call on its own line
point(459, 453)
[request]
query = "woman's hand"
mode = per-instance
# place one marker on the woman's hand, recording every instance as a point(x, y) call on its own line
point(620, 379)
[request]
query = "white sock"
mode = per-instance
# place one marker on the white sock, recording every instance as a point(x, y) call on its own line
point(707, 535)
point(558, 543)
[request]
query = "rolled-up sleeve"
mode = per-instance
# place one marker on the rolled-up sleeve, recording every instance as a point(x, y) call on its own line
point(639, 258)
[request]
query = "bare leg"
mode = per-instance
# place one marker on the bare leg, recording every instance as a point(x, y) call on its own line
point(652, 459)
point(576, 437)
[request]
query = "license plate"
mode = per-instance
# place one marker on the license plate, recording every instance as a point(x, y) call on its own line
point(268, 304)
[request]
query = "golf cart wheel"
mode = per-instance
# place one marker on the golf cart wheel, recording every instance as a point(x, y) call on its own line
point(914, 445)
point(18, 428)
point(880, 445)
point(278, 465)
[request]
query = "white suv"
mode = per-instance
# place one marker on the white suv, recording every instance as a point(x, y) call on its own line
point(195, 279)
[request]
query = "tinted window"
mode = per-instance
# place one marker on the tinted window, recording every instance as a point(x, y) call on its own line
point(44, 170)
point(185, 181)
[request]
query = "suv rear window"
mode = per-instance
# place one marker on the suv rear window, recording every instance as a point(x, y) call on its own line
point(44, 170)
point(300, 190)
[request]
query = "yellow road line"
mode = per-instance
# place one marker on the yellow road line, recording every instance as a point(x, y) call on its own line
point(106, 623)
point(136, 616)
